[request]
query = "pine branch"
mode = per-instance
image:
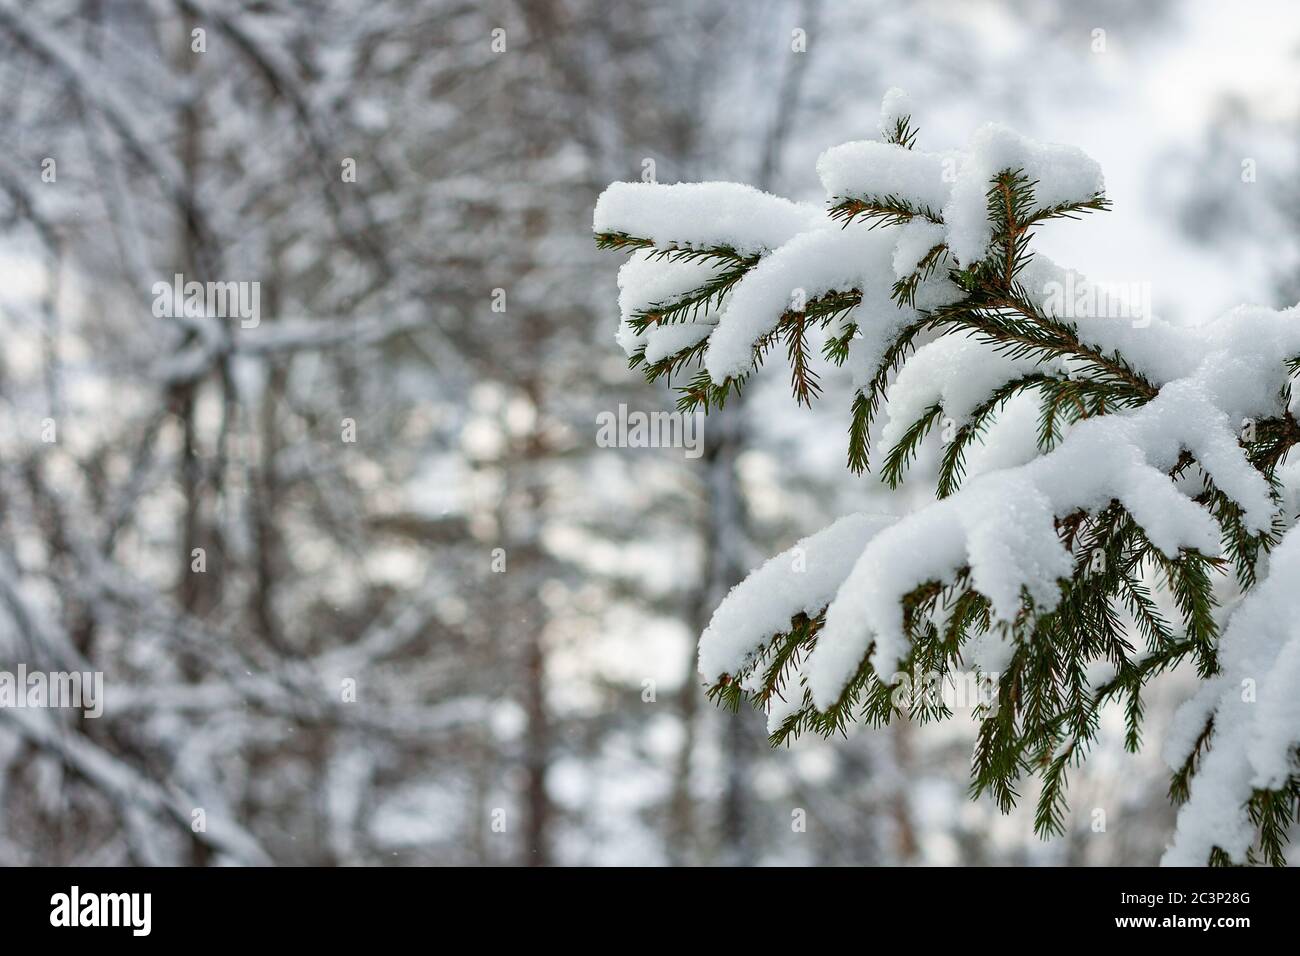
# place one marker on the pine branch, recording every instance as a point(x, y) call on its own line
point(908, 445)
point(686, 308)
point(866, 402)
point(877, 211)
point(902, 134)
point(904, 290)
point(1046, 714)
point(803, 380)
point(670, 365)
point(621, 241)
point(952, 466)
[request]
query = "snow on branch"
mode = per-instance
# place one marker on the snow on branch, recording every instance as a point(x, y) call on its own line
point(798, 581)
point(1157, 466)
point(701, 216)
point(1254, 711)
point(1062, 177)
point(132, 791)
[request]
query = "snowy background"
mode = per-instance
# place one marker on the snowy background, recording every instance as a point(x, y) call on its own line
point(468, 635)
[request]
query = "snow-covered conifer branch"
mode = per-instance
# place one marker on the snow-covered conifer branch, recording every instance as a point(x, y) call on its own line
point(1103, 551)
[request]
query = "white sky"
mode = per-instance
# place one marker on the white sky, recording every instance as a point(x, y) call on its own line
point(1150, 96)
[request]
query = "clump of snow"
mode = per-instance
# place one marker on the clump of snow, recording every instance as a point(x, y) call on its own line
point(703, 215)
point(896, 105)
point(645, 281)
point(1155, 348)
point(810, 265)
point(872, 169)
point(956, 372)
point(1011, 439)
point(880, 319)
point(800, 580)
point(1062, 174)
point(1000, 525)
point(665, 340)
point(915, 239)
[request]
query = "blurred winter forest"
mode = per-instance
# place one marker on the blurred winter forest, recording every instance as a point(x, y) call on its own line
point(362, 584)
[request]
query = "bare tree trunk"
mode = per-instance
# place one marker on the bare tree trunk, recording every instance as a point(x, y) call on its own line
point(537, 805)
point(190, 586)
point(267, 493)
point(191, 589)
point(905, 843)
point(538, 740)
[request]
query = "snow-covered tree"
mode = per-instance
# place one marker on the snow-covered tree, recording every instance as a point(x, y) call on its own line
point(1138, 519)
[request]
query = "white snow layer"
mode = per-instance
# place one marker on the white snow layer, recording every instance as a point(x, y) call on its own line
point(802, 579)
point(869, 169)
point(645, 282)
point(810, 265)
point(1061, 174)
point(1256, 713)
point(958, 373)
point(703, 215)
point(895, 105)
point(665, 340)
point(915, 239)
